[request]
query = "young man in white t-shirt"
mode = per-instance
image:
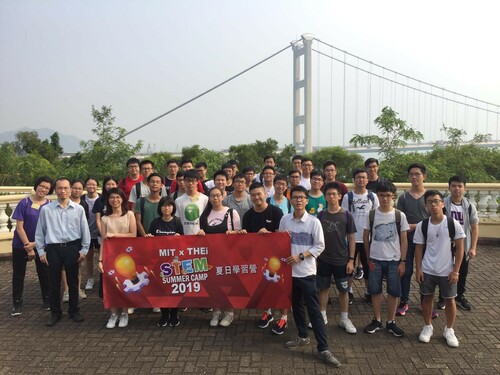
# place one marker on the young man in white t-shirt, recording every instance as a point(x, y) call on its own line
point(437, 267)
point(190, 205)
point(385, 244)
point(359, 202)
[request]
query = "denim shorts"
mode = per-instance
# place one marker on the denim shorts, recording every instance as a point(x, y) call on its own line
point(428, 286)
point(324, 274)
point(389, 269)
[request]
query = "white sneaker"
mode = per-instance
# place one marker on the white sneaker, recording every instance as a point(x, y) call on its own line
point(227, 319)
point(90, 284)
point(426, 334)
point(65, 296)
point(112, 321)
point(130, 310)
point(451, 339)
point(215, 319)
point(348, 326)
point(123, 320)
point(156, 310)
point(81, 294)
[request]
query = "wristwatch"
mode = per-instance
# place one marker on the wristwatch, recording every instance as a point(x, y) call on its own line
point(402, 261)
point(301, 256)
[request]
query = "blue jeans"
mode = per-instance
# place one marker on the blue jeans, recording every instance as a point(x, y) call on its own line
point(305, 288)
point(389, 269)
point(406, 279)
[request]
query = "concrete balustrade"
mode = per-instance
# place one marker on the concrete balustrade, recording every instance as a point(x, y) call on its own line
point(484, 196)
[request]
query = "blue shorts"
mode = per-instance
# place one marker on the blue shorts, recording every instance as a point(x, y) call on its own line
point(324, 274)
point(389, 269)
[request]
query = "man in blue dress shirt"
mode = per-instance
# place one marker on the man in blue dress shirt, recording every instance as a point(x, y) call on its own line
point(62, 238)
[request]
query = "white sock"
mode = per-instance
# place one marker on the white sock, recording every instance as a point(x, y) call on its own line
point(324, 314)
point(344, 315)
point(284, 317)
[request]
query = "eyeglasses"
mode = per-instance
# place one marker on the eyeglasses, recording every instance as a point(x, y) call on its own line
point(299, 197)
point(215, 196)
point(316, 179)
point(43, 187)
point(434, 202)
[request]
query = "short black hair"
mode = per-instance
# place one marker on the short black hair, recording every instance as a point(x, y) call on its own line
point(248, 169)
point(77, 181)
point(457, 178)
point(146, 161)
point(419, 166)
point(430, 193)
point(333, 185)
point(133, 161)
point(46, 179)
point(172, 161)
point(91, 178)
point(192, 173)
point(165, 201)
point(358, 171)
point(257, 185)
point(185, 161)
point(293, 171)
point(154, 174)
point(297, 157)
point(328, 163)
point(239, 176)
point(370, 160)
point(220, 172)
point(316, 173)
point(300, 188)
point(233, 162)
point(386, 187)
point(268, 167)
point(201, 164)
point(280, 177)
point(269, 157)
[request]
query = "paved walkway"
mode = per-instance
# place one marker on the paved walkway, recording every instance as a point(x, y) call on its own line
point(28, 346)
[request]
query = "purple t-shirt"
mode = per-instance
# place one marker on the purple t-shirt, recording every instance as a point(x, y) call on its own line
point(28, 212)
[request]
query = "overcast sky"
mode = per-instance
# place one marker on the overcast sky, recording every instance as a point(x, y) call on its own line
point(58, 58)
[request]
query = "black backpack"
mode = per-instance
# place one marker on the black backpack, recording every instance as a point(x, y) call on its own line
point(451, 232)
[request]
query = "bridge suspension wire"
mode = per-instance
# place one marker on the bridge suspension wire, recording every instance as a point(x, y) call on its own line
point(406, 76)
point(497, 112)
point(209, 90)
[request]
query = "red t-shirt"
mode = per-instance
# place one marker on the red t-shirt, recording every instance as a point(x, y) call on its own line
point(126, 184)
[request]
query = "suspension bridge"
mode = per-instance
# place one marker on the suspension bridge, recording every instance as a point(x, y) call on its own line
point(337, 94)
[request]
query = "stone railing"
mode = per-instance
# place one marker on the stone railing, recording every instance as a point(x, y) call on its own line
point(485, 197)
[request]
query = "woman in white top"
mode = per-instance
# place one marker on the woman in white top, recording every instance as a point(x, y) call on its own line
point(117, 221)
point(217, 218)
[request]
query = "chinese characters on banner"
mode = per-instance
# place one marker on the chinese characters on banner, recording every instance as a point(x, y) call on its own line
point(218, 270)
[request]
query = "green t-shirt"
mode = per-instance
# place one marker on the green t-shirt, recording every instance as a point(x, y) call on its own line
point(150, 212)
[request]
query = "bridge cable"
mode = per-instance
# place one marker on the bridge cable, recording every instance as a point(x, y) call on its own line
point(209, 90)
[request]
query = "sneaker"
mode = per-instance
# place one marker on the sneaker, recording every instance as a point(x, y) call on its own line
point(81, 294)
point(265, 320)
point(298, 341)
point(280, 327)
point(451, 339)
point(464, 304)
point(434, 314)
point(402, 309)
point(123, 322)
point(358, 273)
point(348, 326)
point(351, 298)
point(426, 334)
point(182, 309)
point(174, 322)
point(375, 325)
point(214, 322)
point(90, 284)
point(16, 310)
point(440, 304)
point(46, 305)
point(112, 321)
point(393, 328)
point(207, 309)
point(227, 319)
point(130, 310)
point(156, 310)
point(328, 358)
point(65, 296)
point(368, 299)
point(163, 322)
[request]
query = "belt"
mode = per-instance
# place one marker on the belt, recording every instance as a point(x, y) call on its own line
point(64, 244)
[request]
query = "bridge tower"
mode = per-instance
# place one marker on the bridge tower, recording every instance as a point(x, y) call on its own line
point(302, 111)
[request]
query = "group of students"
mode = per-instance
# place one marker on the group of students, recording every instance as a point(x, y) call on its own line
point(330, 228)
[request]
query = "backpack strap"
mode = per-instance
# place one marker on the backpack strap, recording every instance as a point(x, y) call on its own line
point(425, 228)
point(138, 189)
point(371, 196)
point(350, 199)
point(371, 216)
point(142, 203)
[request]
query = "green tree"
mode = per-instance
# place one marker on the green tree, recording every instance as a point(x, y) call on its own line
point(27, 142)
point(214, 159)
point(160, 160)
point(107, 154)
point(395, 133)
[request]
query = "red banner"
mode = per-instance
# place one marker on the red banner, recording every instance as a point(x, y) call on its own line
point(217, 270)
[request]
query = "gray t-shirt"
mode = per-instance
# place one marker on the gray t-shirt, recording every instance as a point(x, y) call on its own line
point(239, 206)
point(336, 227)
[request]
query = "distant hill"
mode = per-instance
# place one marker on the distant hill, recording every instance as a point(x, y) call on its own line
point(69, 143)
